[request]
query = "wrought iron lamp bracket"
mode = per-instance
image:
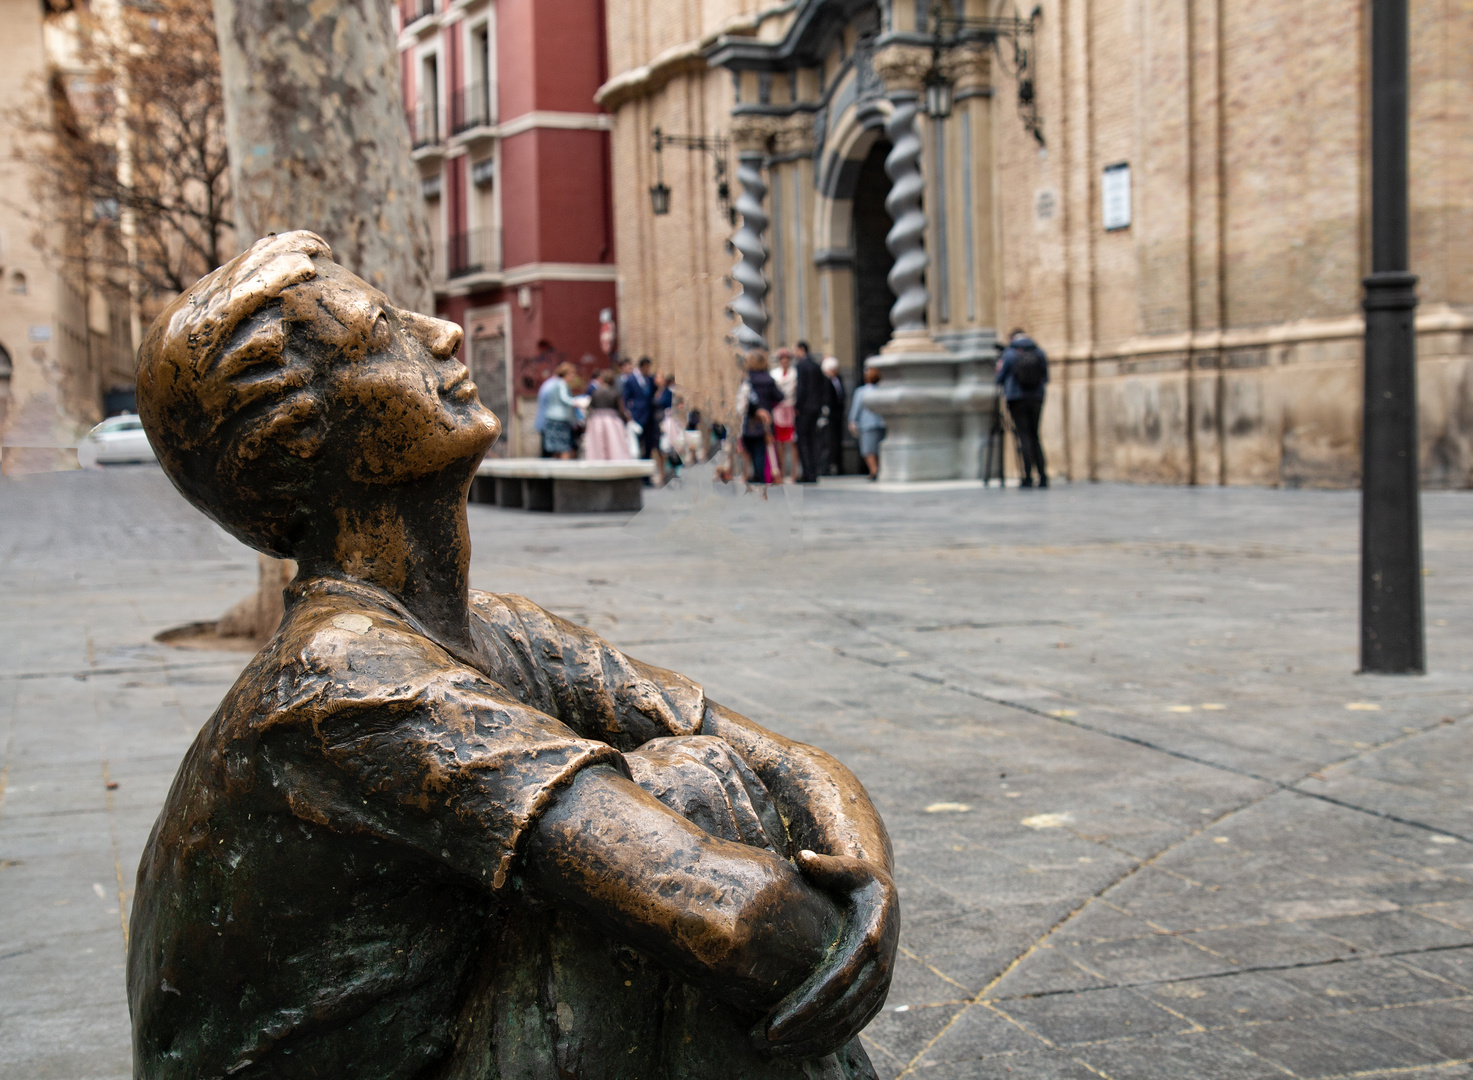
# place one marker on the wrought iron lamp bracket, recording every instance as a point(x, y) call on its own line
point(951, 30)
point(718, 146)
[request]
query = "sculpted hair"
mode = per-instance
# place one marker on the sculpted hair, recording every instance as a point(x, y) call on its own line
point(227, 390)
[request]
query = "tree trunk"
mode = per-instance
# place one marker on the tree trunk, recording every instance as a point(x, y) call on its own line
point(314, 115)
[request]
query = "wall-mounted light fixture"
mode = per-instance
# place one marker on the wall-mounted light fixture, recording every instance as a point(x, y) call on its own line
point(718, 146)
point(938, 97)
point(952, 30)
point(660, 198)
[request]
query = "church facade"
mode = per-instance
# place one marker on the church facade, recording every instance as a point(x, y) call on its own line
point(1171, 196)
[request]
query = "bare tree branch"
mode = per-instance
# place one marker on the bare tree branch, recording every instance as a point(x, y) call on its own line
point(152, 85)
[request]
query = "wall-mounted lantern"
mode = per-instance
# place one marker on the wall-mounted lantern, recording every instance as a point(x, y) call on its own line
point(938, 97)
point(718, 146)
point(660, 198)
point(952, 30)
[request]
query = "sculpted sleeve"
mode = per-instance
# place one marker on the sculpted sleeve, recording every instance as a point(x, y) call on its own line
point(372, 732)
point(575, 675)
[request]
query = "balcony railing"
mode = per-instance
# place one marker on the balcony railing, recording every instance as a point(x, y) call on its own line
point(475, 251)
point(424, 125)
point(470, 107)
point(414, 10)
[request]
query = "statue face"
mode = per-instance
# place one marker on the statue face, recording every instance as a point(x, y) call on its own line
point(403, 406)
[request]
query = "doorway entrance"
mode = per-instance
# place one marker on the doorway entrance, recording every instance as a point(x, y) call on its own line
point(872, 259)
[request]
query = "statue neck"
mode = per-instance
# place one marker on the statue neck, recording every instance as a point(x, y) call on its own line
point(409, 543)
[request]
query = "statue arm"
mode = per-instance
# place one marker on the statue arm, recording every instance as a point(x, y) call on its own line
point(828, 812)
point(739, 920)
point(824, 804)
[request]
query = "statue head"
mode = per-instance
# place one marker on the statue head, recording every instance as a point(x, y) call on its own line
point(281, 381)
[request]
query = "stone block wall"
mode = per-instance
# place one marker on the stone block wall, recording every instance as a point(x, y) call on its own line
point(1217, 339)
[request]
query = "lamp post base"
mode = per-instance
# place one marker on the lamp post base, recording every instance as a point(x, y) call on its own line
point(1391, 624)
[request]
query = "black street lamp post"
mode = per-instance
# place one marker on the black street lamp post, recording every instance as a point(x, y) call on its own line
point(1391, 625)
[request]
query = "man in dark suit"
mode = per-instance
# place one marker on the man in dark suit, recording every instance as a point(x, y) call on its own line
point(808, 397)
point(833, 410)
point(639, 399)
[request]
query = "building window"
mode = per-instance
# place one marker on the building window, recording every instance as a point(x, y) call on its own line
point(429, 96)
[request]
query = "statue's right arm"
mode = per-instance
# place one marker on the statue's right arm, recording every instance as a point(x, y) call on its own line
point(739, 920)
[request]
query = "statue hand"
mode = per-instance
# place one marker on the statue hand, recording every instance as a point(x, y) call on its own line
point(848, 988)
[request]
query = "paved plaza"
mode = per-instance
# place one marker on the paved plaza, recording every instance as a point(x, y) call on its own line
point(1147, 820)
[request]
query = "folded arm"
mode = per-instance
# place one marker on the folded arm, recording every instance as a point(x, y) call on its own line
point(739, 920)
point(811, 945)
point(824, 805)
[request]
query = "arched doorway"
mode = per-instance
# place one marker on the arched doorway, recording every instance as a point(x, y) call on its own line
point(872, 259)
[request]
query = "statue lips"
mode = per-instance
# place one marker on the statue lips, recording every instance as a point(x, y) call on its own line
point(458, 384)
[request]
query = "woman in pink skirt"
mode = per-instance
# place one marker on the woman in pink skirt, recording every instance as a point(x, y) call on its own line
point(605, 439)
point(784, 416)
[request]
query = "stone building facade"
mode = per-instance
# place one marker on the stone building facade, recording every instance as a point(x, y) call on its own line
point(1178, 212)
point(61, 350)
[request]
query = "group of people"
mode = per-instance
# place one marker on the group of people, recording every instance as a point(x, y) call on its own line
point(792, 424)
point(619, 415)
point(793, 416)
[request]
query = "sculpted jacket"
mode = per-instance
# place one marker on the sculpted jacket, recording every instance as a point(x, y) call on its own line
point(331, 889)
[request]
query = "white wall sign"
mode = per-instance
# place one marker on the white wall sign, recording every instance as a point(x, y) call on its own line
point(1115, 196)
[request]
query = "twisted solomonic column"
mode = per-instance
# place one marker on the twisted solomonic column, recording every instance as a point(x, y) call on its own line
point(903, 69)
point(907, 236)
point(750, 135)
point(936, 400)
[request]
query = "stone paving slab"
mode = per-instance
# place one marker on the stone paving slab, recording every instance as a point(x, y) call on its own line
point(1148, 823)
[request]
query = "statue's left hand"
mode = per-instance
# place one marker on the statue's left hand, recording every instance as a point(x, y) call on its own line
point(849, 986)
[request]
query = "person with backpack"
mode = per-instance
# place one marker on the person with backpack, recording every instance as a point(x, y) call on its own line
point(1022, 372)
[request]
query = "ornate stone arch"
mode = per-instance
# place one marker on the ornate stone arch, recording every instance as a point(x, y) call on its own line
point(848, 142)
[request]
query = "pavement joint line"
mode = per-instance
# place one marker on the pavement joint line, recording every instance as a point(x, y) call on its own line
point(1138, 864)
point(1184, 756)
point(1396, 1070)
point(162, 667)
point(866, 1037)
point(1303, 965)
point(1225, 1030)
point(932, 969)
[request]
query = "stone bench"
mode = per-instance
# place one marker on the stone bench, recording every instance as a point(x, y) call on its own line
point(562, 487)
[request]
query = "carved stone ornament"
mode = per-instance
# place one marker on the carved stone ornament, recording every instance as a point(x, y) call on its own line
point(752, 134)
point(794, 135)
point(967, 67)
point(433, 832)
point(902, 67)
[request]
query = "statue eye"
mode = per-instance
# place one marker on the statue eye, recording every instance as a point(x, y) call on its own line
point(381, 329)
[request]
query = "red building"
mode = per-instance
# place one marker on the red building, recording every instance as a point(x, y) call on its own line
point(514, 165)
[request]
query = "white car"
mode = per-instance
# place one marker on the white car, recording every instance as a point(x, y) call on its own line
point(116, 441)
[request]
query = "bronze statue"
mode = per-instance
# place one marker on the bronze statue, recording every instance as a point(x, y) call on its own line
point(436, 833)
